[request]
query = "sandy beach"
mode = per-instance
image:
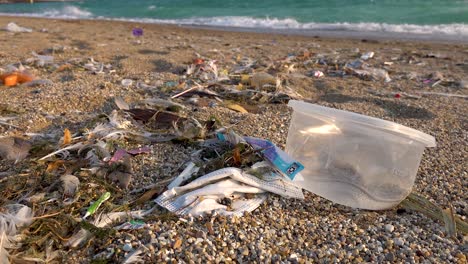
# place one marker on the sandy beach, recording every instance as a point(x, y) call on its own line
point(281, 230)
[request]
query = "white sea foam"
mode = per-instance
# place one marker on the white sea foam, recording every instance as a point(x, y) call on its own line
point(289, 23)
point(458, 31)
point(67, 12)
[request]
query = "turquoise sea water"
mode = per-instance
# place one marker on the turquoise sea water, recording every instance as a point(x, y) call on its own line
point(403, 16)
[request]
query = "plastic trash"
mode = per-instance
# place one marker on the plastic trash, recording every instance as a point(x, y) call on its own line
point(318, 74)
point(373, 73)
point(137, 32)
point(277, 157)
point(352, 159)
point(15, 78)
point(228, 191)
point(127, 82)
point(261, 79)
point(13, 27)
point(42, 60)
point(95, 206)
point(367, 55)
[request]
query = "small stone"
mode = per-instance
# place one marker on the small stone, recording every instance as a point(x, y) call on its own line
point(461, 258)
point(245, 252)
point(390, 257)
point(399, 241)
point(437, 76)
point(122, 178)
point(209, 226)
point(177, 243)
point(389, 243)
point(389, 228)
point(201, 234)
point(127, 247)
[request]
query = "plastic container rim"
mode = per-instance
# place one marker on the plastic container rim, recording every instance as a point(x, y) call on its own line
point(377, 123)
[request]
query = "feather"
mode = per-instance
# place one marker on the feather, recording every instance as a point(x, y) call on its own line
point(93, 158)
point(100, 128)
point(117, 121)
point(135, 257)
point(78, 239)
point(14, 217)
point(101, 150)
point(121, 104)
point(97, 154)
point(13, 148)
point(104, 131)
point(64, 152)
point(104, 220)
point(118, 134)
point(70, 185)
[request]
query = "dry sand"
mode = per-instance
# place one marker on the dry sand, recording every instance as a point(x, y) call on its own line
point(281, 230)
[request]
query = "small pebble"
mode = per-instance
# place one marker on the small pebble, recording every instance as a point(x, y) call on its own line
point(389, 228)
point(127, 247)
point(399, 241)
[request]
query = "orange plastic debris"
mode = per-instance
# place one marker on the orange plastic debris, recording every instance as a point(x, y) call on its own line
point(14, 78)
point(10, 80)
point(24, 78)
point(198, 61)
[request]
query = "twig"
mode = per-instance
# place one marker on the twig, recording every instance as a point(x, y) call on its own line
point(46, 216)
point(188, 90)
point(7, 124)
point(443, 94)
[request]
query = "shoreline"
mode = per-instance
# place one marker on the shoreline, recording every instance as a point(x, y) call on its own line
point(333, 34)
point(32, 1)
point(88, 63)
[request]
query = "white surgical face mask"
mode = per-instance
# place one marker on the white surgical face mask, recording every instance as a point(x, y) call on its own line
point(204, 194)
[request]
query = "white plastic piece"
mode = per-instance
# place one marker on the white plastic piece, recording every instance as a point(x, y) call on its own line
point(185, 175)
point(127, 82)
point(13, 27)
point(353, 159)
point(367, 55)
point(318, 74)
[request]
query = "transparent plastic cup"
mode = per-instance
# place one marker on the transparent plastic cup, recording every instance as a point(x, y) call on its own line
point(353, 159)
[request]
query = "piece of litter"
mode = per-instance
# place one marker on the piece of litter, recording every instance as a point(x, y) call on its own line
point(228, 191)
point(13, 27)
point(137, 32)
point(127, 82)
point(367, 55)
point(318, 74)
point(443, 94)
point(185, 175)
point(236, 108)
point(95, 206)
point(280, 159)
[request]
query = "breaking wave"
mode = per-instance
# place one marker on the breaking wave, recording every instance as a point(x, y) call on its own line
point(289, 23)
point(67, 12)
point(455, 30)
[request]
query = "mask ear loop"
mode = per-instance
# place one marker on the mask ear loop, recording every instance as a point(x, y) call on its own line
point(194, 203)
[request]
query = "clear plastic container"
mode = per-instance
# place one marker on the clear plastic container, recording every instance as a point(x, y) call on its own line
point(352, 159)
